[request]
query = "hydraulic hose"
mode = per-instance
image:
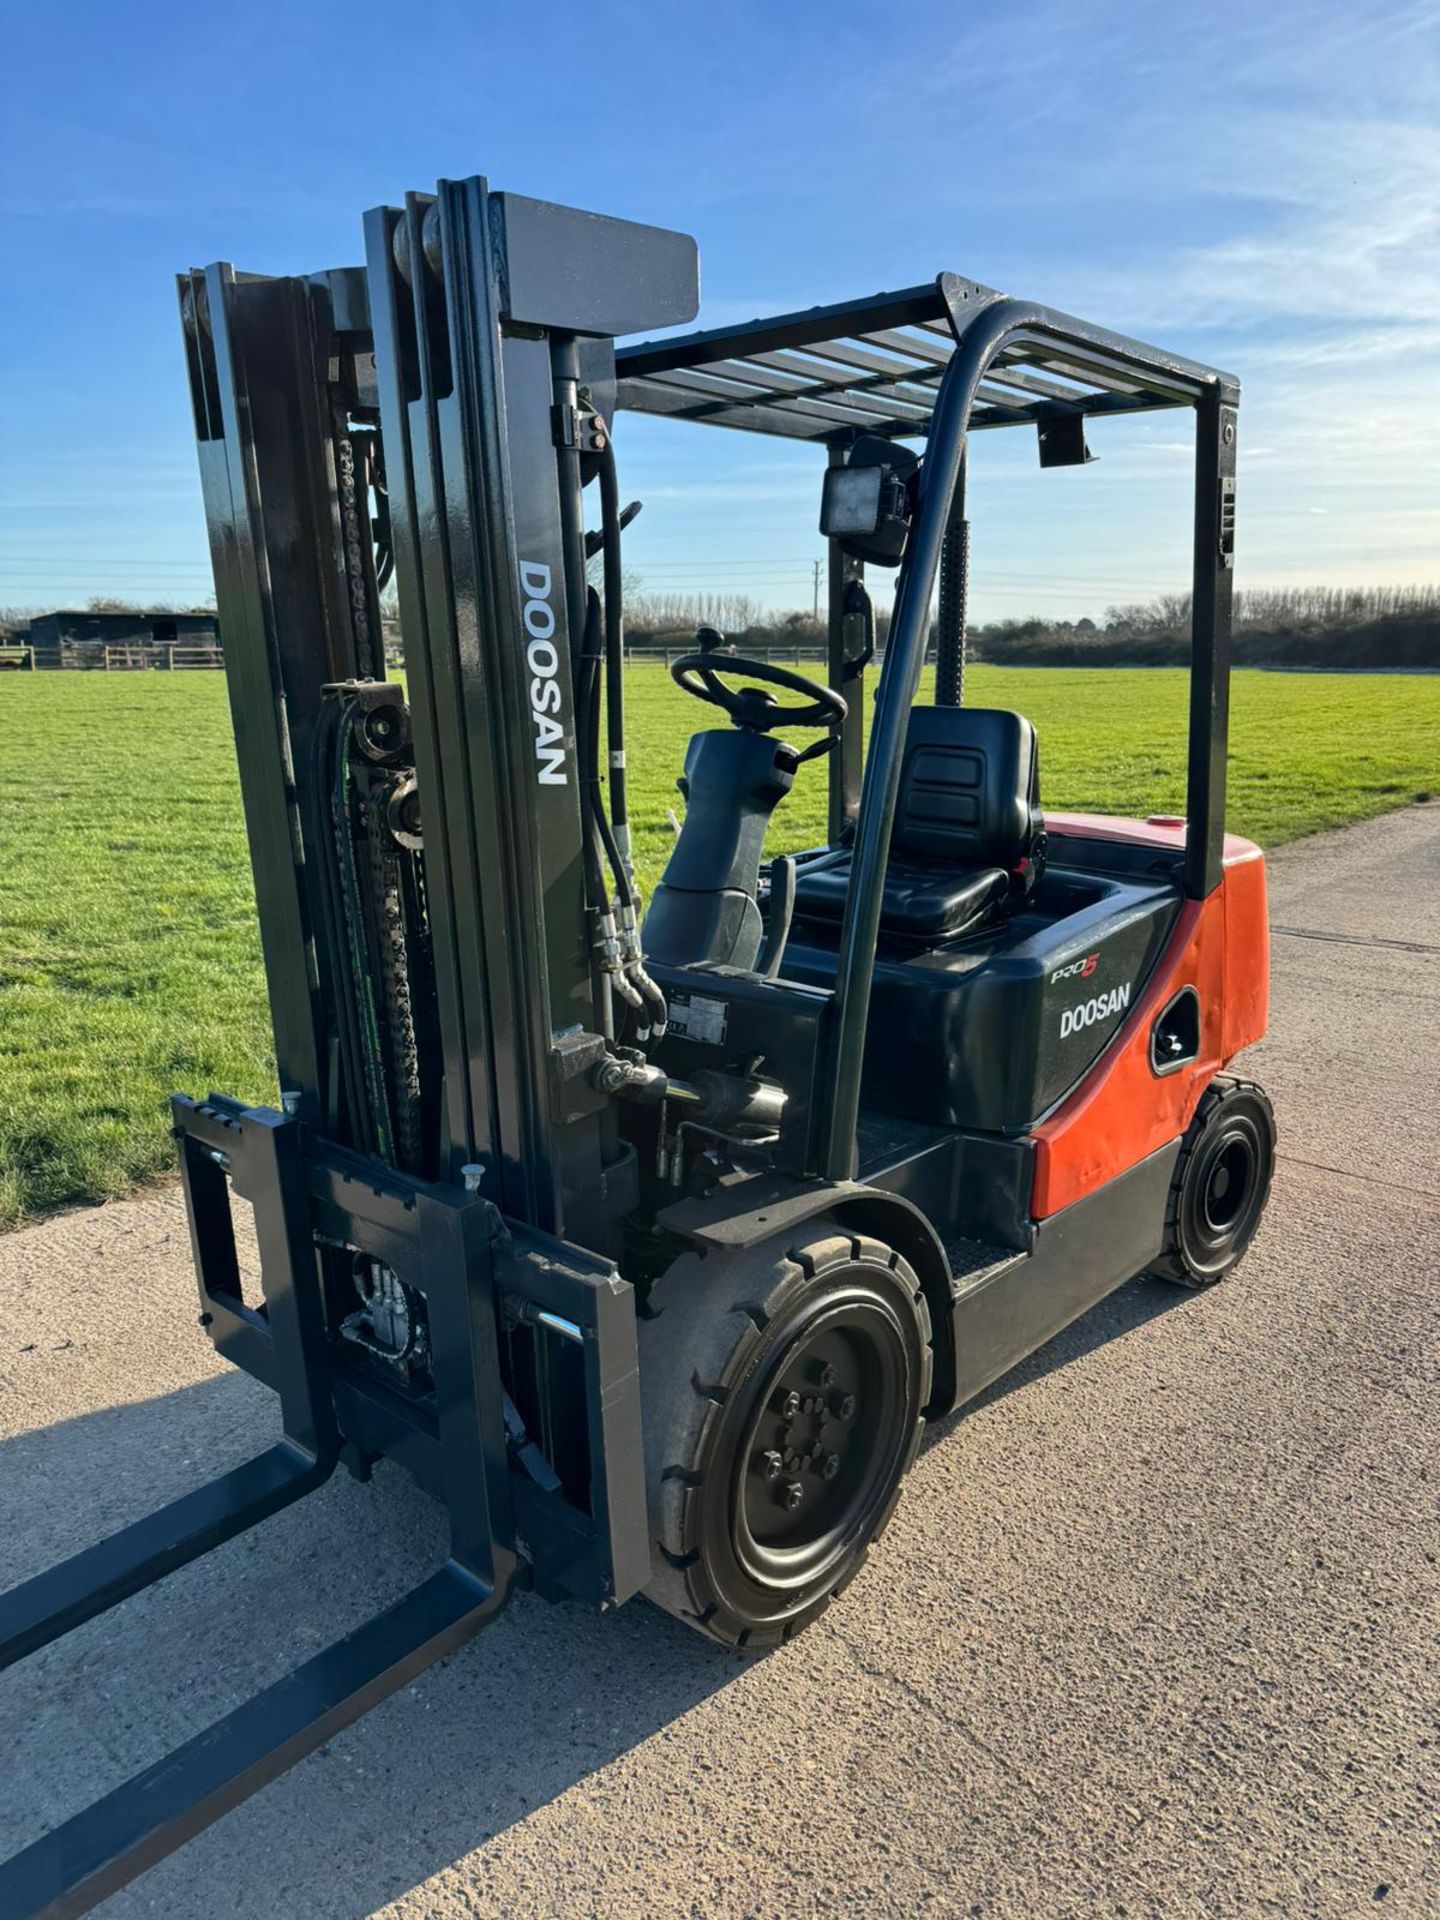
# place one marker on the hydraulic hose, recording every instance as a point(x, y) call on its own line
point(614, 647)
point(615, 831)
point(593, 827)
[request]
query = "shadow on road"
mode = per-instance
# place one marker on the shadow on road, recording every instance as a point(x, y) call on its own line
point(546, 1697)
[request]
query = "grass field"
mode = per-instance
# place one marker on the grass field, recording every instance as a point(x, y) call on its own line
point(129, 960)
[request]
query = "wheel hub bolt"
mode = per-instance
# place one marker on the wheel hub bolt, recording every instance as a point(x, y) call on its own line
point(845, 1406)
point(791, 1494)
point(828, 1465)
point(824, 1374)
point(790, 1406)
point(769, 1464)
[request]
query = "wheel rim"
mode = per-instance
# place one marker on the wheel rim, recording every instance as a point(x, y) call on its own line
point(1225, 1194)
point(1230, 1179)
point(823, 1446)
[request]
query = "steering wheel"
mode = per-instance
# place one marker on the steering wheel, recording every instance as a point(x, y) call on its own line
point(752, 707)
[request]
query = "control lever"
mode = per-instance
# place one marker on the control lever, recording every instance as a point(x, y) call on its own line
point(595, 539)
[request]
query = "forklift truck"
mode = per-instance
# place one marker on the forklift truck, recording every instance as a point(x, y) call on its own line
point(648, 1242)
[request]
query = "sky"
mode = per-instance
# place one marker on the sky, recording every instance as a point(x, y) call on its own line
point(1256, 187)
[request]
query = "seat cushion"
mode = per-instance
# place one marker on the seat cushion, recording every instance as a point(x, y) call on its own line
point(968, 837)
point(921, 902)
point(969, 788)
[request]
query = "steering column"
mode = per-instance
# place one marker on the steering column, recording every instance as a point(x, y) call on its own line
point(704, 909)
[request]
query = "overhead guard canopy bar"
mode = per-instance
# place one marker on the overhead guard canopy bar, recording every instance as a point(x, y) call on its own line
point(876, 365)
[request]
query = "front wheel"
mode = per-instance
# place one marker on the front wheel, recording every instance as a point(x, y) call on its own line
point(1220, 1185)
point(782, 1389)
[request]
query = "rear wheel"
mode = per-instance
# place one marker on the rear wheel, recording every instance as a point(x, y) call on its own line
point(782, 1390)
point(1220, 1185)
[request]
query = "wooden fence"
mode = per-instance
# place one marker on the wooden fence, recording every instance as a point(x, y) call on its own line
point(791, 653)
point(167, 658)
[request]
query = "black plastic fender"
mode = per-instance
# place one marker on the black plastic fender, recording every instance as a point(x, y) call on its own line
point(748, 1208)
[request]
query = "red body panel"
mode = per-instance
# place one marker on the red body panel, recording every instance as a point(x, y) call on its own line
point(1122, 1110)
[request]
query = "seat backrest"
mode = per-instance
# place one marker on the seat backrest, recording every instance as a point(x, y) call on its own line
point(970, 790)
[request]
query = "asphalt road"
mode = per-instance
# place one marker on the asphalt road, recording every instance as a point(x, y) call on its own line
point(1153, 1633)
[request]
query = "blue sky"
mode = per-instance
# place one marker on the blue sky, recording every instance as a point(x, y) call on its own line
point(1259, 188)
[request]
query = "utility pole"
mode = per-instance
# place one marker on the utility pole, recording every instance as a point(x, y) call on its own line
point(815, 608)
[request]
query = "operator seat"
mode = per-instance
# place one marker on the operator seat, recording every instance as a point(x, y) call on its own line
point(969, 838)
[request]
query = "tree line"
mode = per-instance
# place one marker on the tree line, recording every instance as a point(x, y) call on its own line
point(1392, 626)
point(1316, 626)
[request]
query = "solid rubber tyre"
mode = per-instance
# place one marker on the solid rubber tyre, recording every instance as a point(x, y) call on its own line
point(1220, 1186)
point(802, 1362)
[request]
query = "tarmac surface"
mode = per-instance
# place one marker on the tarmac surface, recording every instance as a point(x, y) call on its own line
point(1153, 1632)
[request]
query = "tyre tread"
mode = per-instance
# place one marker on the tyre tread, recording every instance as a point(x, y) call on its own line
point(1170, 1265)
point(707, 1317)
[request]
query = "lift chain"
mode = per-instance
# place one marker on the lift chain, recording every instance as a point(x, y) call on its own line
point(352, 526)
point(397, 1007)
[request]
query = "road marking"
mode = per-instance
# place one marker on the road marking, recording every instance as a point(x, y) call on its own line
point(1363, 1179)
point(1356, 939)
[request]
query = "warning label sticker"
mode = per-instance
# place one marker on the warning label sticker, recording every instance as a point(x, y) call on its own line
point(697, 1018)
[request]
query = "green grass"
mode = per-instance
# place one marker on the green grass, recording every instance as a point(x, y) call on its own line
point(129, 959)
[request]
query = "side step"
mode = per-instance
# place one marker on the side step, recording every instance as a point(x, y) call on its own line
point(1006, 1307)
